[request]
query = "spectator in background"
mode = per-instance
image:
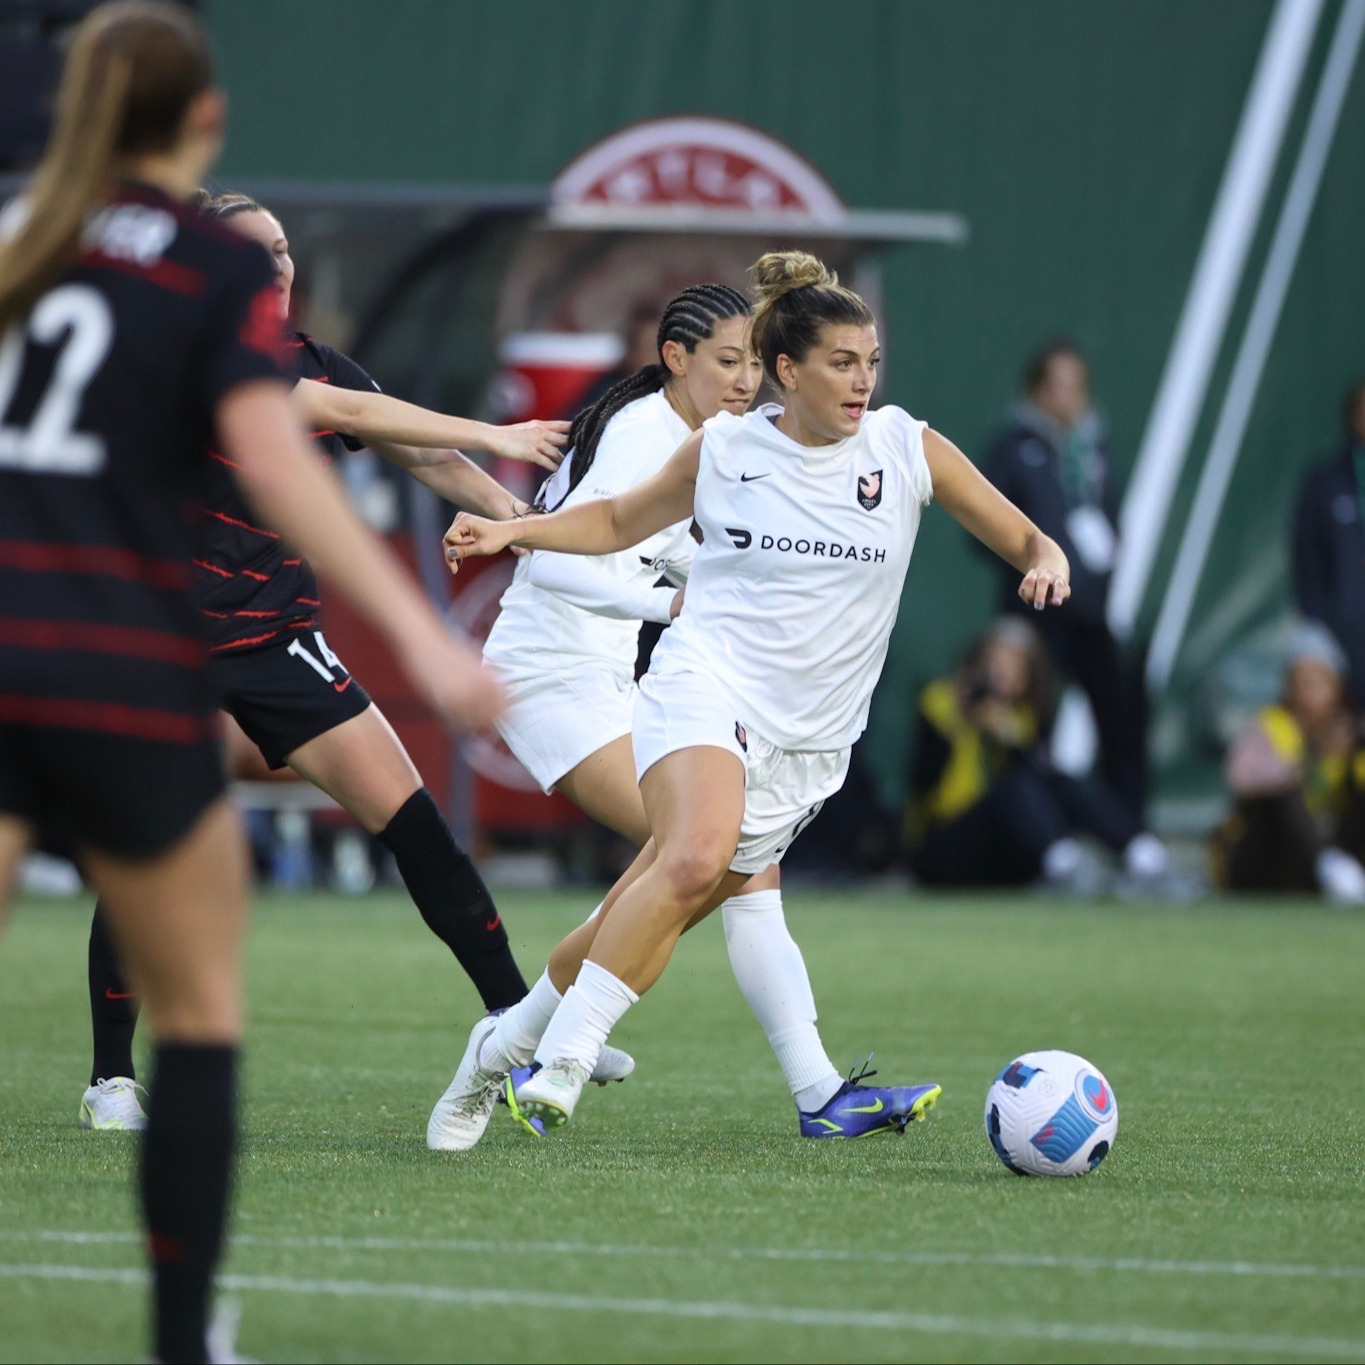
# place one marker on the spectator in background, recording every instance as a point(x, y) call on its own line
point(1052, 463)
point(988, 808)
point(1329, 542)
point(1297, 774)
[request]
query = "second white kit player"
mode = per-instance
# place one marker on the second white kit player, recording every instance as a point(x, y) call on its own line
point(565, 647)
point(743, 727)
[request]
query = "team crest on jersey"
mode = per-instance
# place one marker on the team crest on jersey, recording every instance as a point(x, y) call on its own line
point(870, 489)
point(742, 735)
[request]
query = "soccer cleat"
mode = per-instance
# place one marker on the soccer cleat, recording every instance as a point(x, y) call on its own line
point(858, 1110)
point(612, 1065)
point(551, 1095)
point(462, 1113)
point(515, 1080)
point(220, 1340)
point(112, 1106)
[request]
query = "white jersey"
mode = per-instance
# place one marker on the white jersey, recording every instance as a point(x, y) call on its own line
point(538, 631)
point(795, 588)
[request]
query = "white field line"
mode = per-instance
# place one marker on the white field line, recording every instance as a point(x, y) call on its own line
point(1009, 1260)
point(845, 1319)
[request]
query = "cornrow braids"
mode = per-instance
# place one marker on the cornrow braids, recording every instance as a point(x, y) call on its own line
point(688, 318)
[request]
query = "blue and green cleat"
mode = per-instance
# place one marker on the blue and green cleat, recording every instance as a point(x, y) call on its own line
point(515, 1080)
point(858, 1110)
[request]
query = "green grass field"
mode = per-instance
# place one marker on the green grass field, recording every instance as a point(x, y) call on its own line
point(679, 1217)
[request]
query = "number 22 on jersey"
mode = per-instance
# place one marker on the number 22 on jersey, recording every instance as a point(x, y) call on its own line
point(77, 319)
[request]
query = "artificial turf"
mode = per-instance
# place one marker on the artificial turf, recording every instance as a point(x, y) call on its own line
point(679, 1217)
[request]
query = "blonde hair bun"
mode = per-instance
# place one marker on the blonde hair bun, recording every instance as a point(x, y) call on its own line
point(779, 272)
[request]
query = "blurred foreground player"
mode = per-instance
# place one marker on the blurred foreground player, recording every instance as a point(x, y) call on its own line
point(296, 700)
point(133, 333)
point(745, 721)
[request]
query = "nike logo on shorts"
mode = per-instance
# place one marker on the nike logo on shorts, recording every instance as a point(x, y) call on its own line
point(749, 478)
point(342, 686)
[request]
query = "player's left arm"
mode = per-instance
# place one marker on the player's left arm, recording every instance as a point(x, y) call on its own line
point(370, 416)
point(972, 500)
point(454, 477)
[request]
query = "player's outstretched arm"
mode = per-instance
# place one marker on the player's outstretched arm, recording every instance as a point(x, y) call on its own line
point(968, 496)
point(372, 417)
point(454, 477)
point(258, 429)
point(591, 528)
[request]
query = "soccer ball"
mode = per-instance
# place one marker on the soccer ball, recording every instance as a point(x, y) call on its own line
point(1051, 1113)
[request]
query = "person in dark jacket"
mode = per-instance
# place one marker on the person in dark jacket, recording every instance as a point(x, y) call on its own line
point(1329, 542)
point(1051, 461)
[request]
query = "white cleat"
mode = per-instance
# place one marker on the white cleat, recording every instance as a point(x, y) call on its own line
point(221, 1338)
point(552, 1094)
point(113, 1106)
point(462, 1113)
point(612, 1065)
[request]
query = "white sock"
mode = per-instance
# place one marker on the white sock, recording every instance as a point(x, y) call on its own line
point(1146, 856)
point(513, 1041)
point(1062, 860)
point(591, 1008)
point(772, 977)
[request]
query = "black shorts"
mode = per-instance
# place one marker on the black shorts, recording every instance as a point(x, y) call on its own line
point(128, 797)
point(286, 694)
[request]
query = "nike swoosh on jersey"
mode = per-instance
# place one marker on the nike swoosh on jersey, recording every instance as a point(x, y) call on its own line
point(749, 478)
point(342, 686)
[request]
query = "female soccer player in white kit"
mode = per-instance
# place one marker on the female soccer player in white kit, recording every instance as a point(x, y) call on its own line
point(744, 724)
point(564, 644)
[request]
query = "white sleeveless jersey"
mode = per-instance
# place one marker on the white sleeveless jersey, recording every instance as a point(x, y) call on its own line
point(795, 588)
point(538, 632)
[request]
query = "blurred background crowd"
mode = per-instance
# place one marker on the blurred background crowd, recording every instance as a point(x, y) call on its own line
point(1116, 258)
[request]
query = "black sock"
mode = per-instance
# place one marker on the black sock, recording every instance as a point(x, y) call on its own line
point(186, 1177)
point(453, 900)
point(113, 1006)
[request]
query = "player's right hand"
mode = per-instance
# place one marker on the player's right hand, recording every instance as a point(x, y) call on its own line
point(472, 536)
point(534, 442)
point(451, 679)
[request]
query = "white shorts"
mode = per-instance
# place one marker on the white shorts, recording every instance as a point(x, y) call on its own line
point(555, 721)
point(783, 788)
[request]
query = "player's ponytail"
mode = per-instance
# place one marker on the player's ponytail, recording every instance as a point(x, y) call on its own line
point(688, 318)
point(132, 69)
point(794, 296)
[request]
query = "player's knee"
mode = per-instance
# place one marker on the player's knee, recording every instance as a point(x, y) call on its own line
point(693, 873)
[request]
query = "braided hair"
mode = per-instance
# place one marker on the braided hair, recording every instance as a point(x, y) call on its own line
point(688, 318)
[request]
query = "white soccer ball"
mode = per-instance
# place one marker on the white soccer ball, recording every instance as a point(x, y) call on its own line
point(1051, 1113)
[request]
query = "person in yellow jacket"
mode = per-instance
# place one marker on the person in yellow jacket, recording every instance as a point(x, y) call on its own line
point(988, 808)
point(1297, 773)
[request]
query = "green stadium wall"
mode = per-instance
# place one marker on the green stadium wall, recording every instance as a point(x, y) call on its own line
point(1083, 143)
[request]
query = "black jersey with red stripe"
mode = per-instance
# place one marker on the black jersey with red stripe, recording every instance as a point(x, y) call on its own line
point(107, 396)
point(252, 588)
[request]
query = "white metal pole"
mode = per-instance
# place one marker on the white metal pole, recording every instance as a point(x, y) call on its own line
point(1255, 345)
point(1217, 274)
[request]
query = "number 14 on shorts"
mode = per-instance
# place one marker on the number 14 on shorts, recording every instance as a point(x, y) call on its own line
point(322, 667)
